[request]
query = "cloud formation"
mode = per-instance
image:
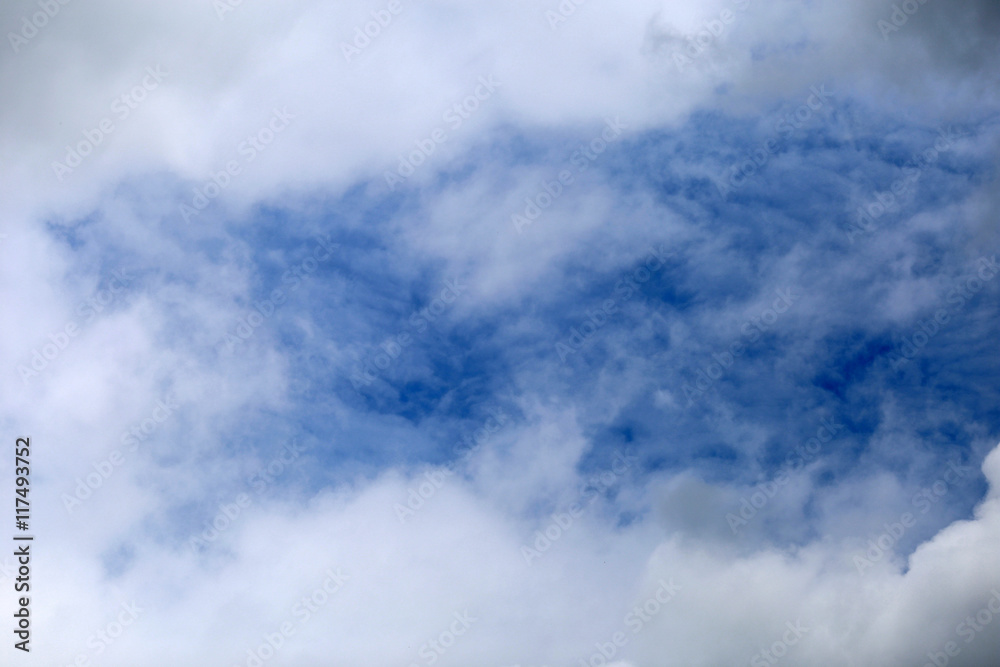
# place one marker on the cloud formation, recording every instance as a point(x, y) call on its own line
point(693, 305)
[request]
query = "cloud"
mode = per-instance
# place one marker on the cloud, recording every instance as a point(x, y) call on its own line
point(205, 153)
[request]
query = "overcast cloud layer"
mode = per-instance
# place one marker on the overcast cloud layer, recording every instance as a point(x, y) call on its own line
point(506, 333)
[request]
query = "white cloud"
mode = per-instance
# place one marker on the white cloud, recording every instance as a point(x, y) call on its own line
point(462, 552)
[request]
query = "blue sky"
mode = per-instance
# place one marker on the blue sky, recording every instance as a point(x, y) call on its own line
point(669, 307)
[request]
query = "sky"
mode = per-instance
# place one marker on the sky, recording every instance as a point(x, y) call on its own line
point(536, 334)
